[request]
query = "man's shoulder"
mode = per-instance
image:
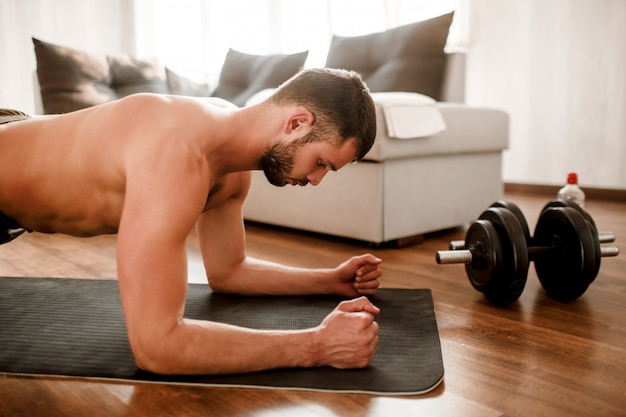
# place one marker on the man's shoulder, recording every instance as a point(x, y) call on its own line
point(168, 99)
point(219, 102)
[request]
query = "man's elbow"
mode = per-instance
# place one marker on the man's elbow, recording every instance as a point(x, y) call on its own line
point(219, 285)
point(222, 281)
point(154, 360)
point(157, 353)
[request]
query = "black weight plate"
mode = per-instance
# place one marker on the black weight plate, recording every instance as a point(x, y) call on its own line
point(484, 243)
point(589, 237)
point(566, 271)
point(569, 203)
point(509, 284)
point(586, 215)
point(517, 212)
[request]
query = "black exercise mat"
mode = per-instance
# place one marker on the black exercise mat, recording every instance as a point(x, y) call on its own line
point(75, 327)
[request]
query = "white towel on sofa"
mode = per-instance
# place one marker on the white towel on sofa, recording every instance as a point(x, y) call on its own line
point(409, 115)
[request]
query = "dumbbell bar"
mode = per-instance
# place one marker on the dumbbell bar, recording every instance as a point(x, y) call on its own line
point(603, 237)
point(565, 249)
point(464, 256)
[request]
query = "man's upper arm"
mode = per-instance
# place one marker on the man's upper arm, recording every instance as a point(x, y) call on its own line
point(221, 231)
point(164, 195)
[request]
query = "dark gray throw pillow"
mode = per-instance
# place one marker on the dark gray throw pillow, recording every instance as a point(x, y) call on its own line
point(71, 80)
point(243, 75)
point(183, 86)
point(407, 58)
point(130, 75)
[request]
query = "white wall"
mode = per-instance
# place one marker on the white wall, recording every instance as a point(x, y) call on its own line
point(103, 26)
point(558, 67)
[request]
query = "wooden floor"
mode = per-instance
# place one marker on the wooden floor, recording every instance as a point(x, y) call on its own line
point(538, 357)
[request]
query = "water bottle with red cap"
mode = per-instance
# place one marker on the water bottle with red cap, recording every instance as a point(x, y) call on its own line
point(571, 191)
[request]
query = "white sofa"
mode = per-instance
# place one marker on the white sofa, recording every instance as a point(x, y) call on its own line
point(403, 188)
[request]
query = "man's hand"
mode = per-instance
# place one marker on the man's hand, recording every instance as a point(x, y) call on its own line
point(348, 335)
point(358, 276)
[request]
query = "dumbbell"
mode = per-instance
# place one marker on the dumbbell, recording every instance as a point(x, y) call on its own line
point(603, 237)
point(565, 249)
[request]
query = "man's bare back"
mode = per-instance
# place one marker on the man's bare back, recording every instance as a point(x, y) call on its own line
point(150, 168)
point(73, 169)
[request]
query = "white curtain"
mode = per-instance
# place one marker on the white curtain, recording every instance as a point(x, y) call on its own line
point(193, 36)
point(99, 26)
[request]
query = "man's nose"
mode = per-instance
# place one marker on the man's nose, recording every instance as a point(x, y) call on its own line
point(317, 176)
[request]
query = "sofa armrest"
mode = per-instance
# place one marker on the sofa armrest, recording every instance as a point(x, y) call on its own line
point(469, 129)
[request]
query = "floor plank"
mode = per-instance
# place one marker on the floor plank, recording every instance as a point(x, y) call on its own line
point(535, 357)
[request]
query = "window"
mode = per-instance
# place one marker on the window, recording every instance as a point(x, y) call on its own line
point(193, 36)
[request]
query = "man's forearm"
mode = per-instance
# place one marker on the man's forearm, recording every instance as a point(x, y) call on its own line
point(203, 347)
point(346, 338)
point(259, 277)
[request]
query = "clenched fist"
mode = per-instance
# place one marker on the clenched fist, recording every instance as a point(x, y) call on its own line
point(359, 275)
point(348, 336)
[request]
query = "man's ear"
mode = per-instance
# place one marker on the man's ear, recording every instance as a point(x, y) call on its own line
point(299, 119)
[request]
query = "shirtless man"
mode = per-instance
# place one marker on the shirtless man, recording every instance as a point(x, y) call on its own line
point(150, 167)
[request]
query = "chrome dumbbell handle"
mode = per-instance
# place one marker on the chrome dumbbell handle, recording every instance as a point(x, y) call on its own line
point(457, 244)
point(609, 250)
point(464, 256)
point(458, 256)
point(606, 237)
point(603, 237)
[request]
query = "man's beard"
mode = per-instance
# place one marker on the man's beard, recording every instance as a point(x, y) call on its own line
point(278, 159)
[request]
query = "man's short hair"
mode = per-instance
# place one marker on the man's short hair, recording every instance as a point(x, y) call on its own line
point(339, 101)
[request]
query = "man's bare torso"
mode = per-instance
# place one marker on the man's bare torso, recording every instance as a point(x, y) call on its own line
point(68, 174)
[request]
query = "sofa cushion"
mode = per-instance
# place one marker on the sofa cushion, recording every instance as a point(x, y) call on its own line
point(408, 58)
point(183, 86)
point(71, 80)
point(130, 75)
point(243, 75)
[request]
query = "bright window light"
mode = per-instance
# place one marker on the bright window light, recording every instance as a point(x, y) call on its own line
point(193, 36)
